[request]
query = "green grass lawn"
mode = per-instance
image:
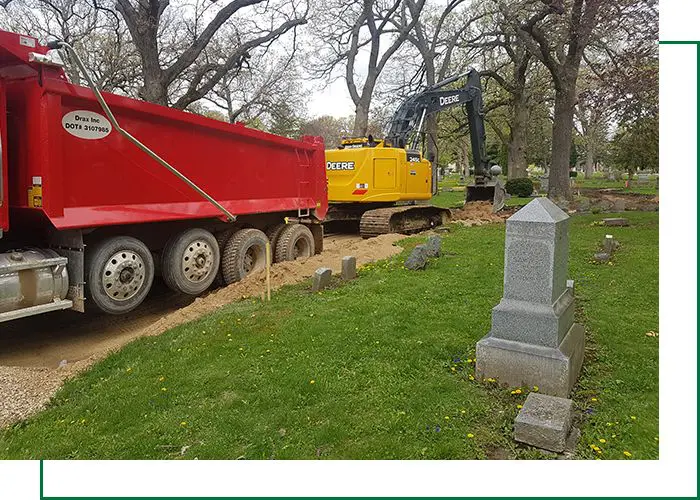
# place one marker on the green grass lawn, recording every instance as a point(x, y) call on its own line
point(448, 199)
point(378, 368)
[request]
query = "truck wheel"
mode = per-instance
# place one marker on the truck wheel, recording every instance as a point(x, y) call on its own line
point(190, 261)
point(221, 238)
point(273, 234)
point(294, 242)
point(119, 274)
point(244, 253)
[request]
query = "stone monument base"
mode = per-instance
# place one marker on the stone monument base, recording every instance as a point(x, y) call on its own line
point(553, 370)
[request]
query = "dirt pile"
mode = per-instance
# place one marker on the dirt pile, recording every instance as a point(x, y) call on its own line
point(477, 213)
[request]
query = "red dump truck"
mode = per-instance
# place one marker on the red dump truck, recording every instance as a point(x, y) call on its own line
point(101, 193)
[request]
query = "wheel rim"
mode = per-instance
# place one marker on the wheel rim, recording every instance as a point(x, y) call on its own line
point(197, 261)
point(301, 248)
point(252, 259)
point(123, 275)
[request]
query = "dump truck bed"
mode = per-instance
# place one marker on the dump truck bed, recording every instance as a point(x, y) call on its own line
point(67, 162)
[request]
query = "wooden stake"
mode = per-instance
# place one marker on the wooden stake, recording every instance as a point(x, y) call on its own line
point(267, 268)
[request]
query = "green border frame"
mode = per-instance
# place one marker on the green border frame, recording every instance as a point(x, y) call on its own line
point(697, 141)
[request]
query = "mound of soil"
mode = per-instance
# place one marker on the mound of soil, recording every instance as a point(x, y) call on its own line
point(477, 213)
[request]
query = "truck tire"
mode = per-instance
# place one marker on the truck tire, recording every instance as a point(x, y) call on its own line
point(273, 234)
point(190, 261)
point(119, 274)
point(221, 238)
point(243, 254)
point(294, 241)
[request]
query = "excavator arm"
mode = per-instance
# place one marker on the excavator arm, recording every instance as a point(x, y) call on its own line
point(407, 123)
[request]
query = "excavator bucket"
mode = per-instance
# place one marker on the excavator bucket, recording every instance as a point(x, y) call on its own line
point(480, 192)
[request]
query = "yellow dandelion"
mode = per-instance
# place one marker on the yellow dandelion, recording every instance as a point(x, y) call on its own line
point(512, 392)
point(128, 370)
point(240, 348)
point(594, 400)
point(471, 377)
point(519, 406)
point(518, 391)
point(633, 417)
point(446, 417)
point(463, 412)
point(602, 440)
point(470, 435)
point(535, 389)
point(614, 435)
point(161, 379)
point(626, 453)
point(453, 369)
point(312, 382)
point(163, 389)
point(490, 379)
point(469, 360)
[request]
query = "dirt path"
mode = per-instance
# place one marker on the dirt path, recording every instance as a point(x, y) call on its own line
point(37, 354)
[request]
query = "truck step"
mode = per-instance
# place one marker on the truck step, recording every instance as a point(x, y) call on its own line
point(31, 311)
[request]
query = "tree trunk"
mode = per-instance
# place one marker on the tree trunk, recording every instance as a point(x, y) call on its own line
point(465, 157)
point(155, 86)
point(517, 163)
point(359, 129)
point(590, 160)
point(562, 133)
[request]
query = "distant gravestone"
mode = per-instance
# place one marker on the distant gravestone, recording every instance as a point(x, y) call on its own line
point(418, 258)
point(544, 184)
point(321, 279)
point(433, 246)
point(602, 257)
point(499, 196)
point(348, 269)
point(609, 244)
point(619, 205)
point(616, 221)
point(533, 338)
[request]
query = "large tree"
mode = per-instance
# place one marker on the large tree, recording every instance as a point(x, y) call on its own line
point(557, 32)
point(186, 54)
point(358, 31)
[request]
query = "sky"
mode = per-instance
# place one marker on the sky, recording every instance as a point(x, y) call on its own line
point(332, 100)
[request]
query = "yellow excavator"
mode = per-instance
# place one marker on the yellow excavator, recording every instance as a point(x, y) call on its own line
point(378, 181)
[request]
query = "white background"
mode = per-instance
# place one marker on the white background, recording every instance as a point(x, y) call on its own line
point(674, 474)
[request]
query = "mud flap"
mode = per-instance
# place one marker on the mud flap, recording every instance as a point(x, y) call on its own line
point(317, 232)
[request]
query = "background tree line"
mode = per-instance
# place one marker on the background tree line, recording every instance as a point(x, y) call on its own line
point(567, 83)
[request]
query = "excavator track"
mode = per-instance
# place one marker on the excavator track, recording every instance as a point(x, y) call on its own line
point(406, 219)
